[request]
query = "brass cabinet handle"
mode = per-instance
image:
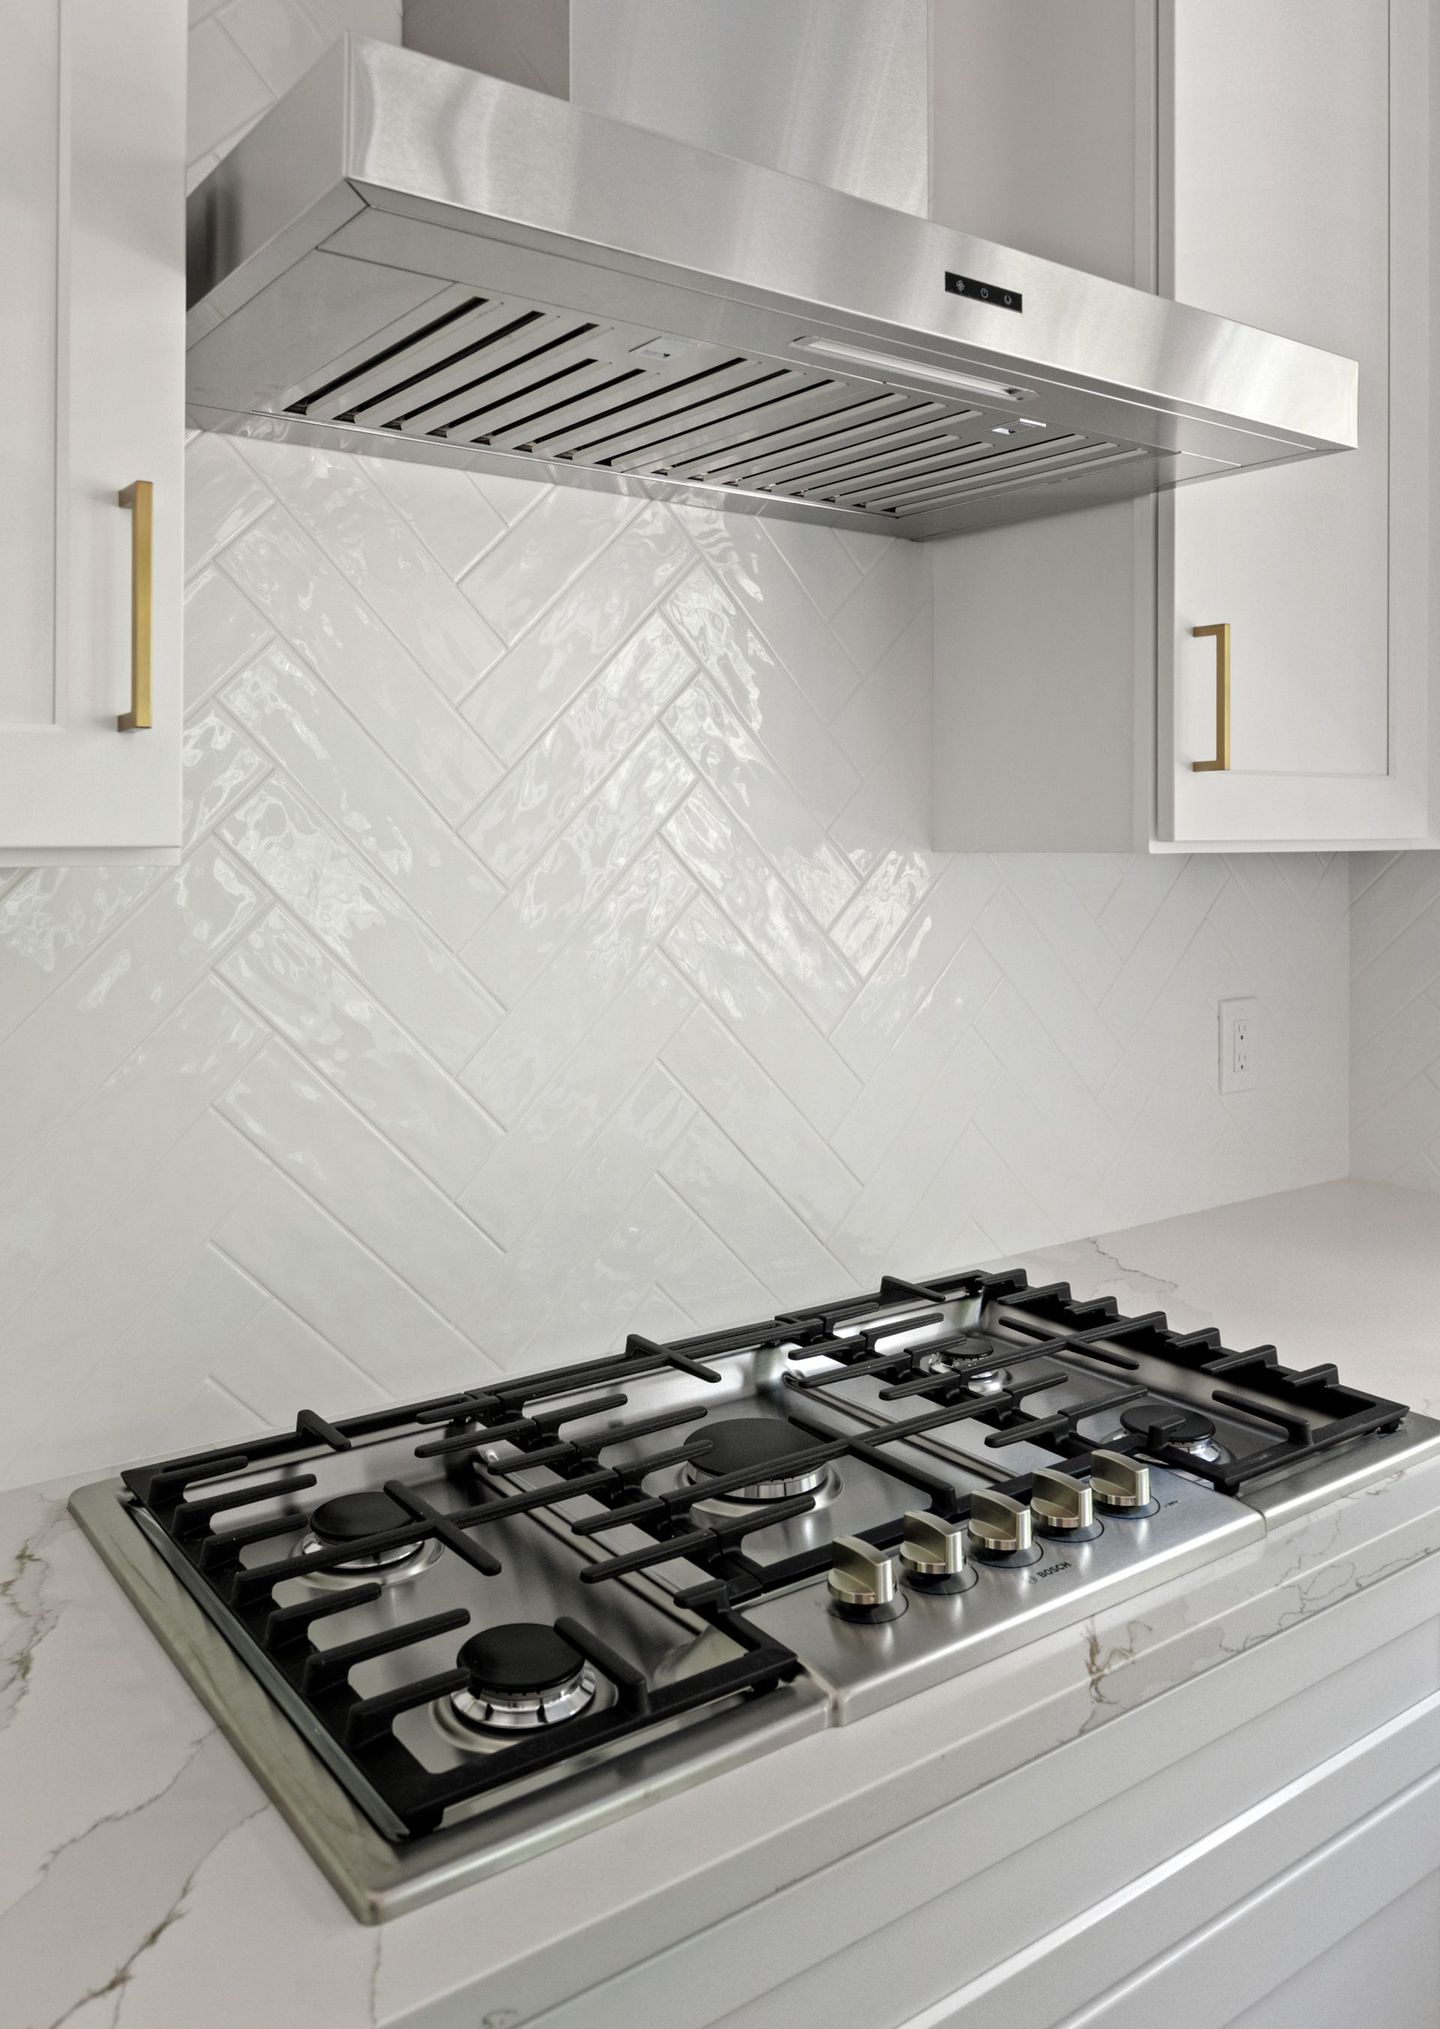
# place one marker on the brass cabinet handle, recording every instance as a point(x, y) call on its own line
point(1221, 633)
point(140, 499)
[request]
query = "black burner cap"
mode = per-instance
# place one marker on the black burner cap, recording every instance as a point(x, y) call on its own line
point(349, 1517)
point(744, 1443)
point(1162, 1423)
point(520, 1656)
point(977, 1346)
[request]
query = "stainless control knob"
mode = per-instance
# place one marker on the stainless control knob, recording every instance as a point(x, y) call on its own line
point(863, 1581)
point(932, 1556)
point(999, 1526)
point(1121, 1485)
point(1059, 1502)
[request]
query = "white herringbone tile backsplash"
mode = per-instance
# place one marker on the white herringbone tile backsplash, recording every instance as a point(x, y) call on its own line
point(1395, 1018)
point(557, 952)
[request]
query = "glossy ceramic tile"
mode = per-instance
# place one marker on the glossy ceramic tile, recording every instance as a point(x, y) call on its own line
point(552, 900)
point(50, 919)
point(725, 1189)
point(304, 1126)
point(333, 1022)
point(541, 1147)
point(544, 789)
point(522, 1320)
point(366, 665)
point(574, 992)
point(762, 694)
point(627, 995)
point(308, 1261)
point(98, 1156)
point(277, 39)
point(750, 1000)
point(327, 886)
point(559, 951)
point(336, 502)
point(559, 655)
point(457, 525)
point(894, 889)
point(723, 855)
point(739, 552)
point(225, 90)
point(114, 1000)
point(350, 777)
point(219, 765)
point(221, 497)
point(68, 1398)
point(245, 53)
point(742, 775)
point(223, 632)
point(554, 542)
point(747, 1105)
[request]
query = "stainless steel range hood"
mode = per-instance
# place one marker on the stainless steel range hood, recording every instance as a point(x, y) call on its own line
point(412, 258)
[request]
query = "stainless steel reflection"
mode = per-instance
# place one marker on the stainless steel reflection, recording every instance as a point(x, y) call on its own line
point(415, 259)
point(379, 1880)
point(505, 1713)
point(899, 1608)
point(726, 78)
point(867, 1667)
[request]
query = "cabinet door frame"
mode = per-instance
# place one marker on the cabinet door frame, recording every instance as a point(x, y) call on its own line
point(74, 787)
point(1351, 812)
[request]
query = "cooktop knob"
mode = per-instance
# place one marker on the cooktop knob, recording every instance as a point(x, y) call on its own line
point(863, 1581)
point(1063, 1506)
point(932, 1556)
point(999, 1528)
point(1121, 1485)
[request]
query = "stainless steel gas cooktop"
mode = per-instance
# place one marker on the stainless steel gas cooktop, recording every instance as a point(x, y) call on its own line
point(452, 1633)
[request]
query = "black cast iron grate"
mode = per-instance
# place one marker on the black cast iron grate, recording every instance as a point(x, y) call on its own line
point(1310, 1410)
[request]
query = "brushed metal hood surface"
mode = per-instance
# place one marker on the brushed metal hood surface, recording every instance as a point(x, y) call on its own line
point(414, 259)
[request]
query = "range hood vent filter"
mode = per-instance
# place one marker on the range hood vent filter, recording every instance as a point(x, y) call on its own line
point(515, 378)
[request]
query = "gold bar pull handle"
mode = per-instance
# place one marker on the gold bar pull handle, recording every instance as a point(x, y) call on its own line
point(1221, 632)
point(140, 499)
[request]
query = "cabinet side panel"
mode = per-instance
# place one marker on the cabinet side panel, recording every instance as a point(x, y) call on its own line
point(1035, 649)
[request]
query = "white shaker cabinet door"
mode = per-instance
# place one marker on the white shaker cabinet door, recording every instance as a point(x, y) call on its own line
point(1295, 150)
point(92, 151)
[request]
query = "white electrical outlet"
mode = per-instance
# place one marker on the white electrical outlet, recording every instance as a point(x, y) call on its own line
point(1239, 1045)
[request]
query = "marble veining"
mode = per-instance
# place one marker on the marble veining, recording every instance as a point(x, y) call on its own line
point(26, 1611)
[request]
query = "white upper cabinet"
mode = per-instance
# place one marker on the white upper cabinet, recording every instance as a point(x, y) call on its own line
point(1269, 163)
point(1297, 184)
point(92, 331)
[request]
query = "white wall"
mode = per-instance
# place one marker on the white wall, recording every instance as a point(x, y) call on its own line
point(557, 951)
point(1395, 1018)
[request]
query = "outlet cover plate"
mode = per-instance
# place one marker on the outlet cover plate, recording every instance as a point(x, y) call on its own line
point(1239, 1045)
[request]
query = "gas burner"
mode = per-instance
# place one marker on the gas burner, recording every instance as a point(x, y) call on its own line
point(960, 1360)
point(653, 1592)
point(350, 1518)
point(1164, 1423)
point(764, 1442)
point(523, 1675)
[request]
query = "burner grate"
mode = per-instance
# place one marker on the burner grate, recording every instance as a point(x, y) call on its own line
point(1041, 1336)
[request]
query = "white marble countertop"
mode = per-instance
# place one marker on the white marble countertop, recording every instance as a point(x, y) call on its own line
point(145, 1880)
